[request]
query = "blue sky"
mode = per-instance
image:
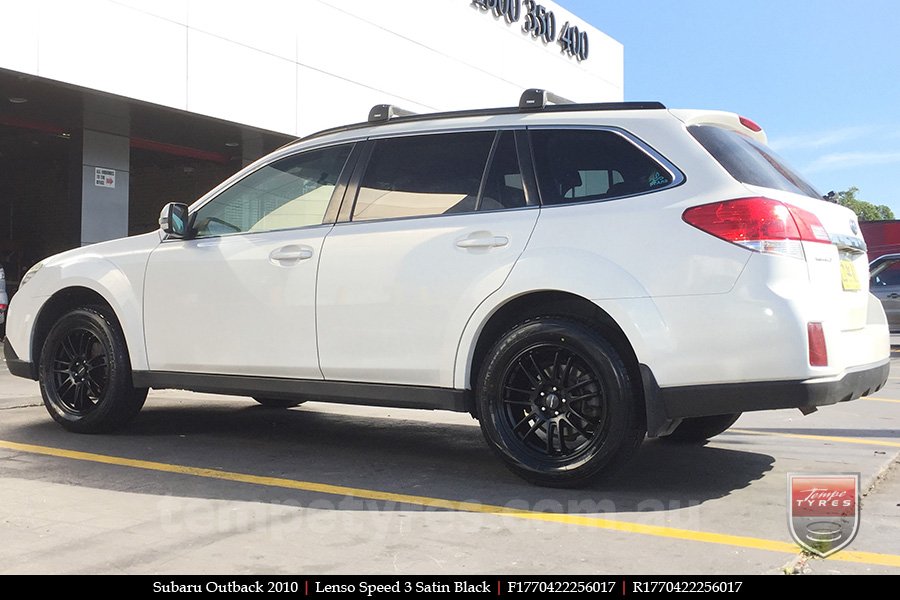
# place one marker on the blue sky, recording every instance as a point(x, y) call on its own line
point(822, 77)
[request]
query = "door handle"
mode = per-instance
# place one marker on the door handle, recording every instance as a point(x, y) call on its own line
point(483, 241)
point(893, 295)
point(290, 254)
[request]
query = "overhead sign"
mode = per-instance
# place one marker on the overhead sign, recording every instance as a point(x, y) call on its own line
point(540, 23)
point(104, 178)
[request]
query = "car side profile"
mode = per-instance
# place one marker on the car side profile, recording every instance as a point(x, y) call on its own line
point(575, 276)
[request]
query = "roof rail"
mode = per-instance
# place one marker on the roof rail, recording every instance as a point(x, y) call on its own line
point(538, 99)
point(386, 112)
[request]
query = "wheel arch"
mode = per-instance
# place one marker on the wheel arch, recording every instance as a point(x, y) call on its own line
point(60, 303)
point(541, 303)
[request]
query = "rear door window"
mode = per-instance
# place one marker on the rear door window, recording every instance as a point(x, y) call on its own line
point(423, 175)
point(574, 165)
point(750, 162)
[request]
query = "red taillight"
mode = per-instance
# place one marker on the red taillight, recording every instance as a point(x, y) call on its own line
point(818, 353)
point(751, 125)
point(760, 224)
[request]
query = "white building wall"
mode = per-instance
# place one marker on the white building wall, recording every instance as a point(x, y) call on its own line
point(296, 66)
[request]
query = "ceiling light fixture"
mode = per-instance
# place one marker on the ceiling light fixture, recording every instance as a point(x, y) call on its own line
point(18, 100)
point(232, 144)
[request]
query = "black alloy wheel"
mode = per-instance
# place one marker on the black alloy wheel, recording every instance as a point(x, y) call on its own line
point(85, 373)
point(556, 403)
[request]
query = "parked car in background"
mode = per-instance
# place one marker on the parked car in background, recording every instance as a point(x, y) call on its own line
point(575, 276)
point(885, 284)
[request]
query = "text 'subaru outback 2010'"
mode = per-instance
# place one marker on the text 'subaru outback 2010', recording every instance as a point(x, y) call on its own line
point(575, 276)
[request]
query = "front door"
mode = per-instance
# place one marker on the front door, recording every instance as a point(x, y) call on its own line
point(239, 298)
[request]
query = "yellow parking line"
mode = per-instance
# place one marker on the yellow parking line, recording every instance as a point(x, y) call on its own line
point(880, 399)
point(826, 438)
point(741, 541)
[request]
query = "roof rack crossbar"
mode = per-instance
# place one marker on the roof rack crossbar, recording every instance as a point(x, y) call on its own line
point(386, 112)
point(538, 99)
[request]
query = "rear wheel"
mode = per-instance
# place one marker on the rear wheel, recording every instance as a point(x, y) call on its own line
point(85, 373)
point(696, 430)
point(557, 403)
point(278, 402)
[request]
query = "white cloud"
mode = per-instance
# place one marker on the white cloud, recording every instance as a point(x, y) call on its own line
point(820, 139)
point(847, 160)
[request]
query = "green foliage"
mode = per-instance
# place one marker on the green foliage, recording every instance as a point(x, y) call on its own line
point(866, 211)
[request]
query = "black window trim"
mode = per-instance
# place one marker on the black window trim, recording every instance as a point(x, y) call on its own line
point(676, 175)
point(526, 167)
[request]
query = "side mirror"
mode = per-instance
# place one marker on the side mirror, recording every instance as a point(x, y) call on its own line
point(175, 220)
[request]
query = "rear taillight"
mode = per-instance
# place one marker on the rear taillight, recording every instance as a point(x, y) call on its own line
point(760, 224)
point(818, 353)
point(2, 308)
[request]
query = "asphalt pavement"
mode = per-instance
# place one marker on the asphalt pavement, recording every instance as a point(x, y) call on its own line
point(207, 484)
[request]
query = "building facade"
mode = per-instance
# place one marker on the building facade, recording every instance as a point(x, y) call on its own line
point(111, 108)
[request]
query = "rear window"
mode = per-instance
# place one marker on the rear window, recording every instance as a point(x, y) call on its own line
point(750, 162)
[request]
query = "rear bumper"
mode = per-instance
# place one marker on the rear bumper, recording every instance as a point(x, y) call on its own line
point(667, 406)
point(17, 366)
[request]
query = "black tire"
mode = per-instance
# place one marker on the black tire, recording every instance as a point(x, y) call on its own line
point(85, 373)
point(696, 430)
point(527, 375)
point(278, 402)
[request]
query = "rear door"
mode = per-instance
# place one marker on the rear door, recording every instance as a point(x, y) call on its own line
point(437, 223)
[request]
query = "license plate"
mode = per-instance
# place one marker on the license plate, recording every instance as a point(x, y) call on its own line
point(849, 278)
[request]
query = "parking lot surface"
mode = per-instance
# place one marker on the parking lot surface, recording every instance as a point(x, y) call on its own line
point(206, 484)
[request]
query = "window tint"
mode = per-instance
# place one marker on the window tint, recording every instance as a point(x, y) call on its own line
point(503, 187)
point(423, 175)
point(750, 162)
point(292, 192)
point(581, 165)
point(890, 276)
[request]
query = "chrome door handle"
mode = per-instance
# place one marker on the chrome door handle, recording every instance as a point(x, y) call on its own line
point(489, 241)
point(291, 254)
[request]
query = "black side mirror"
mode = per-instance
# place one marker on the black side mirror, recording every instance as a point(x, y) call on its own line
point(175, 220)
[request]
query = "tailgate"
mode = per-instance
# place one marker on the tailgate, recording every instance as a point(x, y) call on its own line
point(838, 272)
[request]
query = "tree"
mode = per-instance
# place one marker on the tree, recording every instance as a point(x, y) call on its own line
point(866, 211)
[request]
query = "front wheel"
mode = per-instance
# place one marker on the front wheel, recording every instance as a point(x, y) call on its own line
point(557, 403)
point(85, 373)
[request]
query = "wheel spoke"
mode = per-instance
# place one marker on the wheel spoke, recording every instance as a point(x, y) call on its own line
point(527, 418)
point(581, 383)
point(518, 390)
point(535, 427)
point(540, 372)
point(549, 437)
point(583, 397)
point(517, 402)
point(560, 435)
point(554, 371)
point(577, 427)
point(567, 369)
point(530, 377)
point(69, 348)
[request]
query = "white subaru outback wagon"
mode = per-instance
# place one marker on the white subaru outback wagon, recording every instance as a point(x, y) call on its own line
point(575, 276)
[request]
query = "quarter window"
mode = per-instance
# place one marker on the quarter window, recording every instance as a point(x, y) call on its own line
point(423, 175)
point(583, 165)
point(289, 193)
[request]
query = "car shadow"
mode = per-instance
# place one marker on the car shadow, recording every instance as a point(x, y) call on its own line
point(395, 455)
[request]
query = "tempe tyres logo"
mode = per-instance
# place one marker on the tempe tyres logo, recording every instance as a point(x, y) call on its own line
point(824, 510)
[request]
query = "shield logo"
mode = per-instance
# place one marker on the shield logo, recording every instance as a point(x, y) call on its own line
point(823, 513)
